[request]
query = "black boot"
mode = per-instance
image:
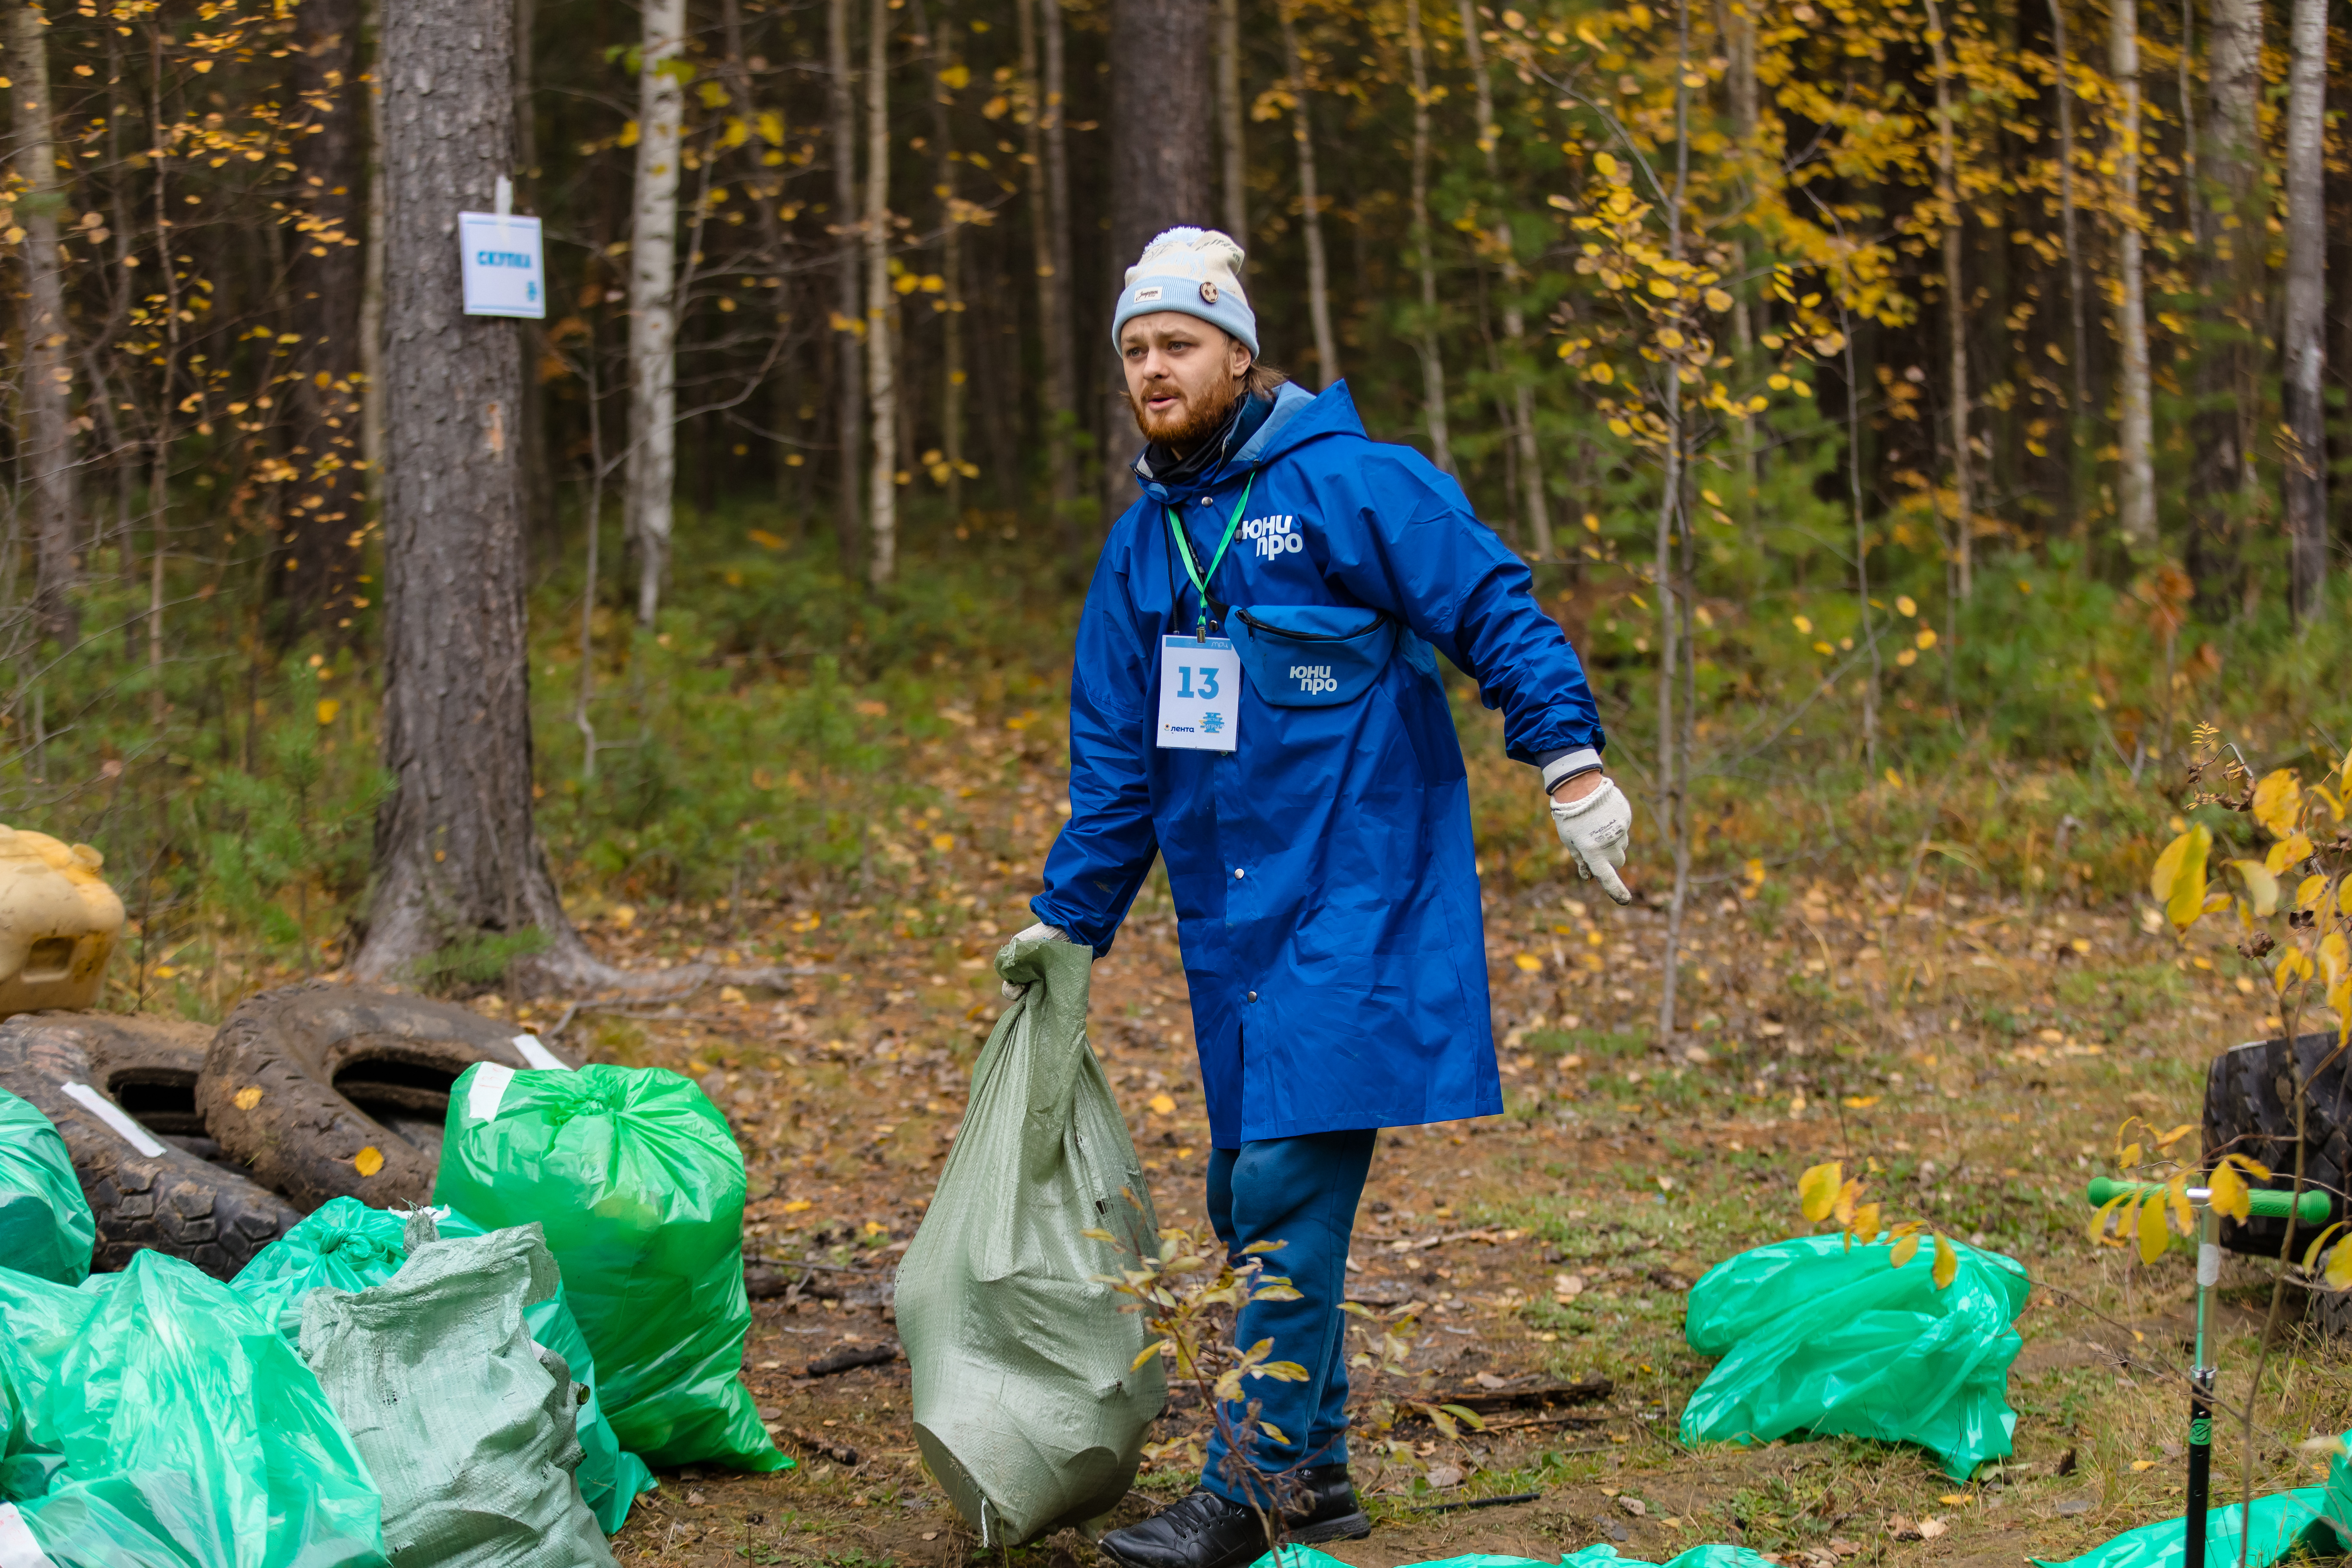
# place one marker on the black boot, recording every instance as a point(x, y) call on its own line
point(1204, 1531)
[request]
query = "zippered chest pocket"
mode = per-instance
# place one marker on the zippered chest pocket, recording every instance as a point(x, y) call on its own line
point(1312, 655)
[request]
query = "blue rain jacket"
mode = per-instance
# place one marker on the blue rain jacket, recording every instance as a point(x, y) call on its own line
point(1326, 896)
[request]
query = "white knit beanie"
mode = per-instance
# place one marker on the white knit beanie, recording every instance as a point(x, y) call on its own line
point(1196, 271)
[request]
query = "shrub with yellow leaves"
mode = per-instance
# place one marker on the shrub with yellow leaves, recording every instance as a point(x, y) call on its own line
point(1828, 1195)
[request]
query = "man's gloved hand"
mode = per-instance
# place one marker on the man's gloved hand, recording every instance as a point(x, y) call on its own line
point(1595, 827)
point(1011, 991)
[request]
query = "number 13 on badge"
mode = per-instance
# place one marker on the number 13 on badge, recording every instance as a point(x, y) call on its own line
point(1200, 693)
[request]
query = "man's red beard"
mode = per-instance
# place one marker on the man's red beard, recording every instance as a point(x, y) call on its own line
point(1191, 424)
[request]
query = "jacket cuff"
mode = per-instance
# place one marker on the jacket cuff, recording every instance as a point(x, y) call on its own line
point(1568, 765)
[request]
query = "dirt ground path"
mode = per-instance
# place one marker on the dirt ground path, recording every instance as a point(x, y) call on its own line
point(1972, 1056)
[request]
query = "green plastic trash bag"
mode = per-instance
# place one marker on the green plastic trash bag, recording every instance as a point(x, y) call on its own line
point(1819, 1338)
point(1715, 1556)
point(2282, 1521)
point(161, 1421)
point(46, 1228)
point(1028, 1405)
point(639, 1185)
point(351, 1247)
point(468, 1427)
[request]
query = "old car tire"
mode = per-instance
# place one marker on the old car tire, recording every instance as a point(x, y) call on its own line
point(302, 1083)
point(2250, 1111)
point(170, 1202)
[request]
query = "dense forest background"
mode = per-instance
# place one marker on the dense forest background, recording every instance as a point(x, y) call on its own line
point(1921, 415)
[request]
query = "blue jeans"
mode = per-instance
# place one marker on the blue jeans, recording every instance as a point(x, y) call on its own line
point(1302, 1191)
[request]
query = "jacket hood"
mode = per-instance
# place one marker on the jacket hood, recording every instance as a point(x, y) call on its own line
point(1298, 417)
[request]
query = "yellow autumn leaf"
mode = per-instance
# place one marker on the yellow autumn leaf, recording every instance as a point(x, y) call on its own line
point(2153, 1236)
point(2099, 1220)
point(2334, 956)
point(2228, 1191)
point(1926, 639)
point(2167, 870)
point(1529, 962)
point(2166, 1139)
point(943, 842)
point(1162, 1105)
point(1849, 1197)
point(2340, 1268)
point(2294, 964)
point(328, 709)
point(2288, 852)
point(2318, 1244)
point(246, 1098)
point(1864, 1224)
point(1717, 300)
point(2261, 887)
point(1817, 1190)
point(2278, 802)
point(368, 1161)
point(2184, 1218)
point(2344, 896)
point(1904, 1251)
point(2184, 899)
point(1947, 1263)
point(2309, 891)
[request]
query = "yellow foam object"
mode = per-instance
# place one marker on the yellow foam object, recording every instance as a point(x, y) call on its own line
point(58, 923)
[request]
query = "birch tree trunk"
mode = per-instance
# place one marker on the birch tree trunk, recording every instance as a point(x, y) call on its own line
point(848, 288)
point(1956, 313)
point(45, 451)
point(1432, 363)
point(1319, 275)
point(2306, 310)
point(652, 468)
point(456, 855)
point(1231, 118)
point(881, 366)
point(2136, 511)
point(2229, 267)
point(1534, 506)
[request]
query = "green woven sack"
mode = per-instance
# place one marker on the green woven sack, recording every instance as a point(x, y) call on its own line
point(639, 1187)
point(351, 1247)
point(467, 1427)
point(46, 1228)
point(1030, 1407)
point(161, 1421)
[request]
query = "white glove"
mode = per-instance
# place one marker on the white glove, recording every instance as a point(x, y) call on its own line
point(1595, 830)
point(1011, 991)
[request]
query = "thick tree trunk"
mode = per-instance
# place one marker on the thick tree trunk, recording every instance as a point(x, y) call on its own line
point(2230, 269)
point(371, 354)
point(652, 467)
point(1432, 363)
point(1162, 146)
point(457, 856)
point(326, 527)
point(1955, 311)
point(2304, 344)
point(1233, 114)
point(1319, 274)
point(881, 362)
point(1535, 507)
point(2135, 508)
point(44, 446)
point(848, 289)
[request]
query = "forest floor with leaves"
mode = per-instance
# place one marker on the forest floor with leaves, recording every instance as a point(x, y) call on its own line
point(1973, 1054)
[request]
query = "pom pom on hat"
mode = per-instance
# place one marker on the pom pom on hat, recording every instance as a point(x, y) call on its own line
point(1196, 271)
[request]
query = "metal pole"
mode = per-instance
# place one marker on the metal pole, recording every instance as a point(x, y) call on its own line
point(2200, 1390)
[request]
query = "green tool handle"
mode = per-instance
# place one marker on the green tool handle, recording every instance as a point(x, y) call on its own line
point(2262, 1203)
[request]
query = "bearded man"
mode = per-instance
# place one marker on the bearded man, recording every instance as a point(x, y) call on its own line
point(1257, 700)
